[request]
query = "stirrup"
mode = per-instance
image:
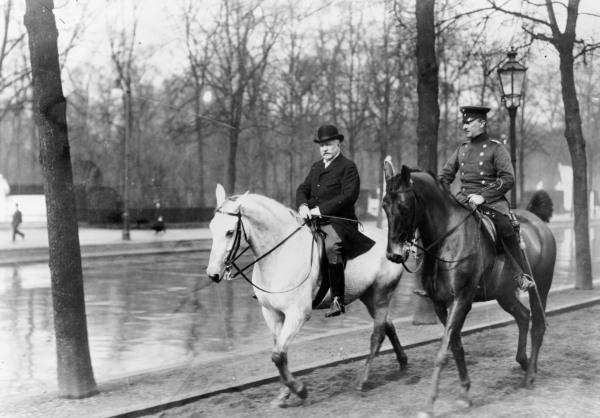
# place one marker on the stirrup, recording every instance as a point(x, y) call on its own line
point(524, 281)
point(336, 308)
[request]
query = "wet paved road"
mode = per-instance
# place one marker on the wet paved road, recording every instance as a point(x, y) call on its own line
point(150, 312)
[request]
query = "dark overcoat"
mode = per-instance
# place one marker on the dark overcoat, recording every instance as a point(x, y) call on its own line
point(335, 190)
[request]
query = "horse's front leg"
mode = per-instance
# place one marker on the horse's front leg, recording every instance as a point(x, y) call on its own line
point(292, 324)
point(377, 303)
point(274, 321)
point(455, 321)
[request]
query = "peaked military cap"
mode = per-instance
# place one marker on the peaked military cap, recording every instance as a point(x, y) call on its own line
point(474, 112)
point(328, 133)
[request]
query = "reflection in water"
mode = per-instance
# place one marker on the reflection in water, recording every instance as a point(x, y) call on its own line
point(157, 311)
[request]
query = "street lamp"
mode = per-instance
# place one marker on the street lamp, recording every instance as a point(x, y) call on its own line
point(511, 75)
point(122, 89)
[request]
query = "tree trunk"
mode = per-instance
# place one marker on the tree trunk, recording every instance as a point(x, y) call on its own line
point(427, 123)
point(75, 375)
point(231, 160)
point(576, 142)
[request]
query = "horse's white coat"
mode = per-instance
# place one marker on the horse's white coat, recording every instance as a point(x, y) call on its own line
point(267, 223)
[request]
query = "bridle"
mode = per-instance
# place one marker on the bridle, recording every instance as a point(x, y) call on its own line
point(404, 237)
point(234, 253)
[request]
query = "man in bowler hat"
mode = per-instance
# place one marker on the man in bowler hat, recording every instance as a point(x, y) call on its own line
point(329, 193)
point(486, 175)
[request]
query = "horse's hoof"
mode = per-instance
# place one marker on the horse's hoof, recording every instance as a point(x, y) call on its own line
point(464, 402)
point(302, 391)
point(522, 362)
point(279, 402)
point(360, 386)
point(528, 382)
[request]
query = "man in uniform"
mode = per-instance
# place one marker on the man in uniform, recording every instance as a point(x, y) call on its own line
point(329, 193)
point(486, 174)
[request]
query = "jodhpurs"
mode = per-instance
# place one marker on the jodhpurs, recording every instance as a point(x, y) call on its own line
point(333, 245)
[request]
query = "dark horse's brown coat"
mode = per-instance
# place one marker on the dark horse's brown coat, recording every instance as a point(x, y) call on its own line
point(462, 266)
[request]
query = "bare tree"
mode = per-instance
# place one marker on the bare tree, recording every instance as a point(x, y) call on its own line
point(75, 375)
point(548, 30)
point(240, 46)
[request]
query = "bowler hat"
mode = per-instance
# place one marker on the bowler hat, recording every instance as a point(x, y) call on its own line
point(470, 112)
point(328, 133)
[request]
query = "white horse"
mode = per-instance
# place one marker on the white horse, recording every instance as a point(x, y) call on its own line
point(289, 276)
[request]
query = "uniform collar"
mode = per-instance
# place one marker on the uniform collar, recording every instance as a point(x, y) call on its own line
point(480, 138)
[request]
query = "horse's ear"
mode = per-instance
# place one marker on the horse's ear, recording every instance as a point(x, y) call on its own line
point(388, 168)
point(220, 194)
point(405, 175)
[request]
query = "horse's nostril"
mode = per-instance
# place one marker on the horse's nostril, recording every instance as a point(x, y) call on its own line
point(394, 258)
point(215, 278)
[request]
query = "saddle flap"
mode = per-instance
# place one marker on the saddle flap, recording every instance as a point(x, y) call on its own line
point(487, 225)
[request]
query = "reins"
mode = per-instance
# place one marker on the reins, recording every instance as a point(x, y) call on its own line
point(233, 255)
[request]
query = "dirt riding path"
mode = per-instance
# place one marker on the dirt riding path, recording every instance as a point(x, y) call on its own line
point(568, 382)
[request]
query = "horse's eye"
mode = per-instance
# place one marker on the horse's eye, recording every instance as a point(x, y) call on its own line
point(229, 233)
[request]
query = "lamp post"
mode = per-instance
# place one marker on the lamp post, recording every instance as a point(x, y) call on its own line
point(122, 89)
point(511, 75)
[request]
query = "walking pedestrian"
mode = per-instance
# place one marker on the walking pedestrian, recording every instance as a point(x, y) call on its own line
point(17, 220)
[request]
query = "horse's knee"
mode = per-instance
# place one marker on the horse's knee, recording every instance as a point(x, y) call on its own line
point(441, 359)
point(279, 358)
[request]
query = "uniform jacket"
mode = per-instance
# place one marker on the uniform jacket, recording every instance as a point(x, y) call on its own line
point(483, 166)
point(335, 190)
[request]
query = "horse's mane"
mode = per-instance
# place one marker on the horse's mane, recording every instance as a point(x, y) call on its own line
point(276, 211)
point(394, 183)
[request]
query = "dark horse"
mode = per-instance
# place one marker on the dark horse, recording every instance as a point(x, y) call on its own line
point(461, 265)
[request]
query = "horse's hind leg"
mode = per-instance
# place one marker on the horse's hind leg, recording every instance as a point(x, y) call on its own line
point(390, 331)
point(291, 325)
point(377, 304)
point(538, 329)
point(511, 304)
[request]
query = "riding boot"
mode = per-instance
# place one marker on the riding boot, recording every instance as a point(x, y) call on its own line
point(524, 280)
point(337, 286)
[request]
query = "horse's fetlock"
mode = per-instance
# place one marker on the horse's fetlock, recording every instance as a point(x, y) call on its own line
point(441, 360)
point(279, 358)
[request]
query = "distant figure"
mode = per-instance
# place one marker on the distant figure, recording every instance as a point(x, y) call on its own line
point(17, 220)
point(159, 225)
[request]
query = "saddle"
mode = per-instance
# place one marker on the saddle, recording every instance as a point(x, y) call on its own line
point(487, 225)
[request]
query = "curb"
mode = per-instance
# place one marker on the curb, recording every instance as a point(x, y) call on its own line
point(307, 368)
point(34, 255)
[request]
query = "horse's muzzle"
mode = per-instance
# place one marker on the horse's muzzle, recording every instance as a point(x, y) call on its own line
point(395, 258)
point(215, 277)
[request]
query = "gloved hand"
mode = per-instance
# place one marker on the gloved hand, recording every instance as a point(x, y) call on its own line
point(475, 199)
point(304, 212)
point(316, 212)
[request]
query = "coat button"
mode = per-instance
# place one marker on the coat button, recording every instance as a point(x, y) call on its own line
point(481, 173)
point(481, 154)
point(480, 162)
point(482, 181)
point(462, 163)
point(318, 185)
point(484, 145)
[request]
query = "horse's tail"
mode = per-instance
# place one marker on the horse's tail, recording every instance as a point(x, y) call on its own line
point(541, 205)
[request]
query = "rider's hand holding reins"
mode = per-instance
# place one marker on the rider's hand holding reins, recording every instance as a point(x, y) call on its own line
point(304, 212)
point(475, 199)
